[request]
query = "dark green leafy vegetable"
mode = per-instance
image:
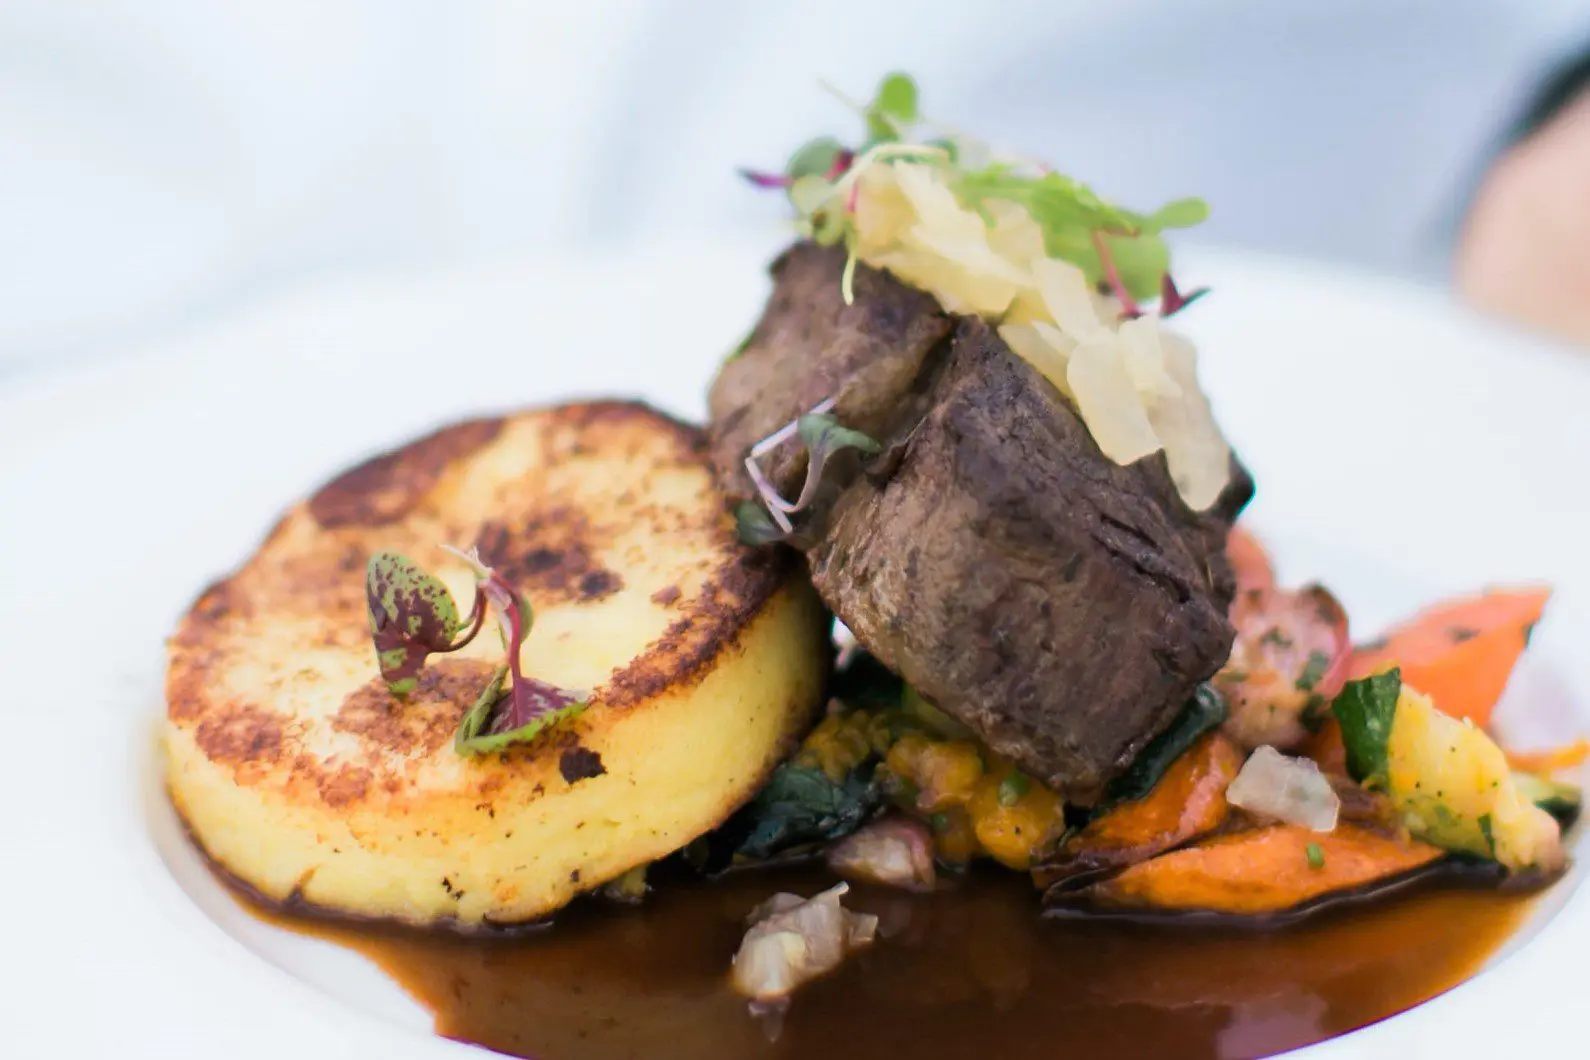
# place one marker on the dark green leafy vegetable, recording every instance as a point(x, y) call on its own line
point(801, 807)
point(1203, 713)
point(1366, 710)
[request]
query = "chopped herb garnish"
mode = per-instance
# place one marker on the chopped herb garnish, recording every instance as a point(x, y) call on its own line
point(1490, 837)
point(1313, 670)
point(1013, 787)
point(1316, 856)
point(1274, 636)
point(939, 822)
point(1367, 709)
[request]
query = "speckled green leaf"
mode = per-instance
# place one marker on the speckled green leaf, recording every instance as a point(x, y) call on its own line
point(411, 615)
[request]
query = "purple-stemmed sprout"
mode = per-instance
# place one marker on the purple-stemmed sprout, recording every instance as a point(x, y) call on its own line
point(413, 616)
point(1129, 307)
point(823, 436)
point(496, 722)
point(1172, 301)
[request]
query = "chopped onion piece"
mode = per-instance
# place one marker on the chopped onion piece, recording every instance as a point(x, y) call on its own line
point(896, 852)
point(1289, 789)
point(793, 940)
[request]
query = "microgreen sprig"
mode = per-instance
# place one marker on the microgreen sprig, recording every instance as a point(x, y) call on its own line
point(768, 519)
point(412, 616)
point(1116, 248)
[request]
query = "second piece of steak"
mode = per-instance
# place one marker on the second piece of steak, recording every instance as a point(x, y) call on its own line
point(1061, 605)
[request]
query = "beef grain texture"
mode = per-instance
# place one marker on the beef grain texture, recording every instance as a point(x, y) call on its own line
point(1061, 605)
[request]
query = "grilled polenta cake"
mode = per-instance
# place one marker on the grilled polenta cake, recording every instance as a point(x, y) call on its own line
point(302, 777)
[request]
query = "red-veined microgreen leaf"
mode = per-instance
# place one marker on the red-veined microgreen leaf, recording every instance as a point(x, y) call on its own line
point(412, 615)
point(1172, 301)
point(498, 721)
point(477, 717)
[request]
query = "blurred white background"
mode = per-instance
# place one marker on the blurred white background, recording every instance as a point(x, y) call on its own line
point(165, 160)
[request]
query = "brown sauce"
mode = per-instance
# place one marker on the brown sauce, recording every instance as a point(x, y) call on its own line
point(969, 971)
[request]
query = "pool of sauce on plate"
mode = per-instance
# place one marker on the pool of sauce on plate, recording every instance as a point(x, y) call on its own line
point(970, 971)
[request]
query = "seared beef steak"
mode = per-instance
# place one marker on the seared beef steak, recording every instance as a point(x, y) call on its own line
point(1061, 605)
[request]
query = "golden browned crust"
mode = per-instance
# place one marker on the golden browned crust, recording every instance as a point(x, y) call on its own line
point(385, 488)
point(303, 592)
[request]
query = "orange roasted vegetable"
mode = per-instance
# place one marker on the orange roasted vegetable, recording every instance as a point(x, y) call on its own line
point(1550, 759)
point(1461, 652)
point(1189, 801)
point(1326, 748)
point(1274, 869)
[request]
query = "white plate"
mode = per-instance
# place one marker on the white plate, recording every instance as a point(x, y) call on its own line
point(1403, 448)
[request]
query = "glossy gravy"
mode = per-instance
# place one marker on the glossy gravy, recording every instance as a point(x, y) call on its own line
point(971, 971)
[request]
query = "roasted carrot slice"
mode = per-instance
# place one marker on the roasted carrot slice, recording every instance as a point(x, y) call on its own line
point(1550, 759)
point(1461, 652)
point(1271, 869)
point(1189, 801)
point(1326, 748)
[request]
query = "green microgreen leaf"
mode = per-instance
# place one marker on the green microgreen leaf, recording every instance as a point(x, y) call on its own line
point(478, 715)
point(824, 436)
point(754, 526)
point(1366, 710)
point(893, 109)
point(810, 193)
point(545, 705)
point(1316, 855)
point(412, 615)
point(498, 721)
point(1182, 213)
point(814, 158)
point(897, 97)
